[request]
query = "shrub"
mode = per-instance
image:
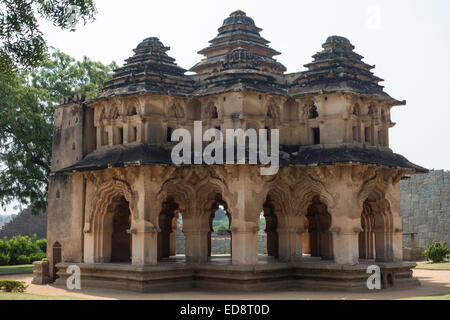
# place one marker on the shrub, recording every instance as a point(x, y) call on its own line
point(37, 257)
point(437, 252)
point(19, 246)
point(4, 259)
point(42, 245)
point(23, 259)
point(13, 286)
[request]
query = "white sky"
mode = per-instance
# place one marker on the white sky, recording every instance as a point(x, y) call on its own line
point(408, 41)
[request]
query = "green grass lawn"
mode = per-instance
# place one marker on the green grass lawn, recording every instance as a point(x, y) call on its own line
point(444, 296)
point(27, 296)
point(435, 266)
point(27, 268)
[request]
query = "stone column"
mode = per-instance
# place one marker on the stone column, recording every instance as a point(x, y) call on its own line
point(99, 136)
point(290, 245)
point(146, 208)
point(110, 131)
point(244, 242)
point(173, 237)
point(144, 244)
point(196, 230)
point(345, 243)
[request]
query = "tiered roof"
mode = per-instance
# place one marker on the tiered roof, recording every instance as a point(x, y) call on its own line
point(337, 68)
point(150, 70)
point(238, 32)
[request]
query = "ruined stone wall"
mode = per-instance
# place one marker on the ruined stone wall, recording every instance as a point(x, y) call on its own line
point(25, 224)
point(425, 207)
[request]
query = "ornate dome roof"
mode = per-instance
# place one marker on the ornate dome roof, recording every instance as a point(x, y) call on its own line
point(149, 70)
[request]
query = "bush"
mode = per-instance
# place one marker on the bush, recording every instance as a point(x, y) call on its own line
point(4, 259)
point(42, 245)
point(37, 257)
point(437, 252)
point(23, 259)
point(13, 286)
point(20, 249)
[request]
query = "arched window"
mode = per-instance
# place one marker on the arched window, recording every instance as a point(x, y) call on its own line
point(383, 115)
point(356, 110)
point(214, 114)
point(313, 114)
point(57, 258)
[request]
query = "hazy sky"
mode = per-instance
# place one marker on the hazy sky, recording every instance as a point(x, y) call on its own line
point(408, 41)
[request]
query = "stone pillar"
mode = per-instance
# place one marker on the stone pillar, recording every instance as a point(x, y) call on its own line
point(110, 131)
point(173, 238)
point(88, 247)
point(244, 244)
point(144, 245)
point(290, 230)
point(99, 137)
point(196, 231)
point(345, 244)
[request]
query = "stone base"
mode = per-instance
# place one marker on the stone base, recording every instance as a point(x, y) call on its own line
point(40, 273)
point(224, 276)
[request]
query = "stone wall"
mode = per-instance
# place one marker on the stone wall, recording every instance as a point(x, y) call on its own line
point(25, 224)
point(425, 207)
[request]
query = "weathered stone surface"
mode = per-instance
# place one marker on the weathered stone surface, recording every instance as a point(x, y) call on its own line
point(424, 202)
point(41, 273)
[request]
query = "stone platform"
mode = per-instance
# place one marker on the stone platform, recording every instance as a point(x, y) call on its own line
point(220, 275)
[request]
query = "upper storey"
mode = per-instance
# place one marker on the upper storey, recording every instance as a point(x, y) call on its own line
point(335, 112)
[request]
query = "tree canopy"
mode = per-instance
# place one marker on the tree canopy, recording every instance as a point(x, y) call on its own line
point(22, 44)
point(27, 101)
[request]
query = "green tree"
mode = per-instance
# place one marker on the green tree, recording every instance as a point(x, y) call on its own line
point(27, 101)
point(21, 42)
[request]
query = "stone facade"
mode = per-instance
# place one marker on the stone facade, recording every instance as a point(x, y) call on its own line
point(425, 205)
point(115, 194)
point(26, 224)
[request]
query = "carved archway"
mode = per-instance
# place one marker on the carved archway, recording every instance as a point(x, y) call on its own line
point(111, 200)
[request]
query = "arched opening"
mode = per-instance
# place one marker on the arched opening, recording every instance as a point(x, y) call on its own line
point(375, 242)
point(270, 228)
point(312, 112)
point(356, 110)
point(367, 237)
point(166, 240)
point(317, 226)
point(214, 113)
point(219, 237)
point(120, 236)
point(57, 258)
